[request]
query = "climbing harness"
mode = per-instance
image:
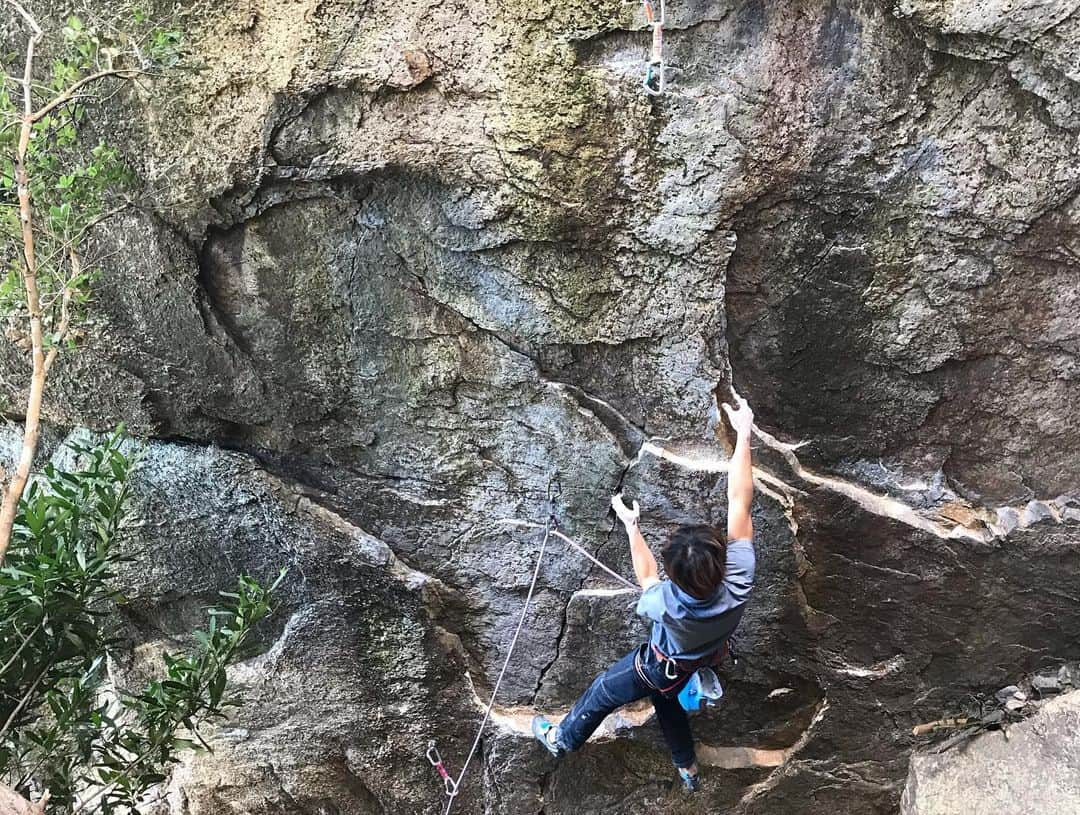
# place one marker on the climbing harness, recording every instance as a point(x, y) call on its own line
point(654, 82)
point(704, 686)
point(639, 666)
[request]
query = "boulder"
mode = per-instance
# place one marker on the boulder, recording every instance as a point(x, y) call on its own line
point(1031, 769)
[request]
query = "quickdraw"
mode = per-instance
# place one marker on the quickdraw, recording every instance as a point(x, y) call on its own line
point(436, 762)
point(654, 82)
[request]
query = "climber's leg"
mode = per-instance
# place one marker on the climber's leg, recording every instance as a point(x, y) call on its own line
point(617, 686)
point(675, 725)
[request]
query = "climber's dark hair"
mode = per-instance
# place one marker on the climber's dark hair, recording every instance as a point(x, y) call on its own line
point(694, 558)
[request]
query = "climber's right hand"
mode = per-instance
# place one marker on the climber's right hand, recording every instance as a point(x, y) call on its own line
point(740, 416)
point(628, 516)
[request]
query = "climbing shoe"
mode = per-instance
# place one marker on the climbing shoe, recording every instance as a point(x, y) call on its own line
point(690, 779)
point(546, 733)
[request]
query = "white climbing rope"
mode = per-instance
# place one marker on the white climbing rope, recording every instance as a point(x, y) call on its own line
point(575, 544)
point(453, 789)
point(453, 785)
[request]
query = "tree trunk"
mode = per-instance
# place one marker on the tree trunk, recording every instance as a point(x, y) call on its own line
point(11, 803)
point(32, 424)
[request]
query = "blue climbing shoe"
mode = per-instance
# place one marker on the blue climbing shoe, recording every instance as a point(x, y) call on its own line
point(690, 779)
point(546, 733)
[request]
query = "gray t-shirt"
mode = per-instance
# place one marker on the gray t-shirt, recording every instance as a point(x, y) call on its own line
point(686, 628)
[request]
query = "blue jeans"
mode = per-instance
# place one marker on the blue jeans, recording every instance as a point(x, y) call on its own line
point(621, 684)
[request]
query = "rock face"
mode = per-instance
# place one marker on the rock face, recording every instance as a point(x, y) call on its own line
point(1032, 770)
point(416, 267)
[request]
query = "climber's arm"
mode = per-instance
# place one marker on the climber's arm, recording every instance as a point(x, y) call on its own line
point(740, 526)
point(645, 568)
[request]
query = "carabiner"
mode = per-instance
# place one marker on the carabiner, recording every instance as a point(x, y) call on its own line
point(654, 83)
point(433, 754)
point(671, 670)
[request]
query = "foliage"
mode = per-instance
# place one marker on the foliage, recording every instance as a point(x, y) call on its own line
point(62, 727)
point(75, 176)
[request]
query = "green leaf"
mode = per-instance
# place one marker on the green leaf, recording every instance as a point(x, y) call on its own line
point(217, 687)
point(187, 744)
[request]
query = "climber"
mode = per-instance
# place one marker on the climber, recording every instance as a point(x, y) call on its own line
point(694, 612)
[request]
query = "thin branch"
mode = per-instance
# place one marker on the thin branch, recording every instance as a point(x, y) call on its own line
point(78, 236)
point(26, 698)
point(109, 787)
point(66, 96)
point(32, 423)
point(30, 21)
point(81, 97)
point(39, 86)
point(28, 776)
point(104, 99)
point(19, 650)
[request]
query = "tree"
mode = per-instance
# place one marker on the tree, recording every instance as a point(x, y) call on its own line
point(54, 189)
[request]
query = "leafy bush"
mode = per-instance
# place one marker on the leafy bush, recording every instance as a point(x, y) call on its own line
point(62, 727)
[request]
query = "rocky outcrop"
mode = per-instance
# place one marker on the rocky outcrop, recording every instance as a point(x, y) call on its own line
point(1030, 769)
point(415, 267)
